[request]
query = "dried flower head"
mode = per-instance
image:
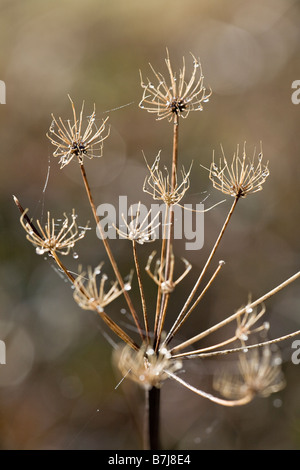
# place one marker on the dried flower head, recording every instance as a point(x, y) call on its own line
point(260, 373)
point(246, 322)
point(138, 230)
point(166, 285)
point(179, 96)
point(71, 140)
point(56, 236)
point(242, 177)
point(91, 295)
point(159, 185)
point(146, 367)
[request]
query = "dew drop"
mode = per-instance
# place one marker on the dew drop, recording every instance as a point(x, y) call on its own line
point(39, 251)
point(75, 255)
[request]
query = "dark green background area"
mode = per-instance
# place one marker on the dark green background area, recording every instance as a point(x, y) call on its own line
point(59, 388)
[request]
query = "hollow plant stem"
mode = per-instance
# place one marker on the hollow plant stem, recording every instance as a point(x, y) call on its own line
point(152, 437)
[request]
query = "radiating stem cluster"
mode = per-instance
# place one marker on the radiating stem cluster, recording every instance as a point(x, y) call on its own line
point(151, 359)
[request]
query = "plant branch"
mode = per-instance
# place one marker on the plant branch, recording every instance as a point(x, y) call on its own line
point(109, 252)
point(142, 294)
point(235, 315)
point(165, 297)
point(198, 282)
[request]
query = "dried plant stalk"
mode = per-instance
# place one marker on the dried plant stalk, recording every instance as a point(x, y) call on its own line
point(152, 360)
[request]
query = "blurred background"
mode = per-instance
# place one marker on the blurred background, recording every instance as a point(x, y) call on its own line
point(59, 388)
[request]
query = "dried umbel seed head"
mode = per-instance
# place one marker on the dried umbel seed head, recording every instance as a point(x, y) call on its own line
point(56, 235)
point(177, 95)
point(138, 229)
point(90, 294)
point(146, 367)
point(260, 373)
point(159, 186)
point(158, 275)
point(71, 140)
point(242, 177)
point(246, 322)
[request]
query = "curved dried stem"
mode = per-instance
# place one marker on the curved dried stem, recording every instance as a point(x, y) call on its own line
point(220, 401)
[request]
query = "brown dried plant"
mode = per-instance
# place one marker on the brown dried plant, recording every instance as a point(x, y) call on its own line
point(152, 359)
point(71, 141)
